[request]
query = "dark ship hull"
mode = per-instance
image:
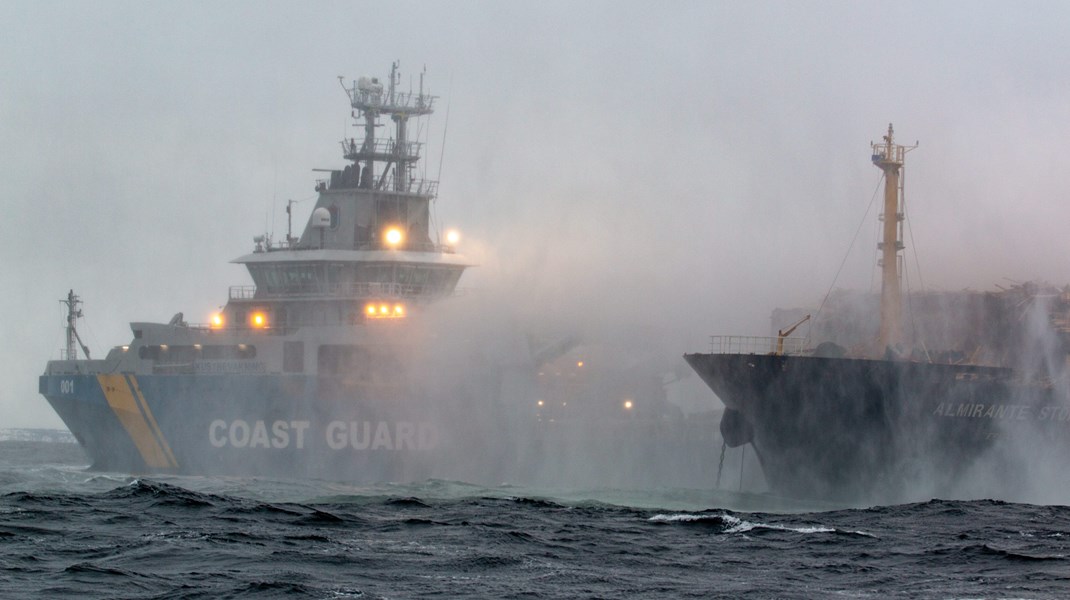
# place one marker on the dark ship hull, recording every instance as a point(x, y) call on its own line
point(861, 430)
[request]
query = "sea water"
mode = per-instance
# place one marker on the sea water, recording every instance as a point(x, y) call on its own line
point(69, 532)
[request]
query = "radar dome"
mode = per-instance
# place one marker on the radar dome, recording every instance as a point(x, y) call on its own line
point(321, 217)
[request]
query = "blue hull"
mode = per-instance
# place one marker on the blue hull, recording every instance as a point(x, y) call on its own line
point(279, 425)
point(328, 427)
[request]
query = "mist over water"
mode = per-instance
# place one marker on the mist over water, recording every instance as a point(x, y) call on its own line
point(1033, 467)
point(101, 535)
point(527, 398)
point(1026, 461)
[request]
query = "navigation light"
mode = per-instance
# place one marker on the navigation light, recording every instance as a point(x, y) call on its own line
point(258, 320)
point(382, 310)
point(452, 237)
point(393, 237)
point(628, 405)
point(217, 320)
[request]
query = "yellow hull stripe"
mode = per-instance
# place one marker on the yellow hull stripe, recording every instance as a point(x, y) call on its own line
point(131, 412)
point(152, 421)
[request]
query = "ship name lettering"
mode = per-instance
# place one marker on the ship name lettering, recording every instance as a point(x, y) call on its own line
point(1055, 413)
point(1019, 412)
point(381, 435)
point(241, 434)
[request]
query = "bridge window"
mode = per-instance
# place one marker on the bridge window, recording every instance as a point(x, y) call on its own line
point(186, 354)
point(289, 278)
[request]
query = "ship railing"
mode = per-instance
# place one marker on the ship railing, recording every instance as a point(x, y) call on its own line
point(270, 246)
point(380, 147)
point(76, 366)
point(424, 187)
point(428, 247)
point(242, 292)
point(350, 290)
point(750, 344)
point(400, 102)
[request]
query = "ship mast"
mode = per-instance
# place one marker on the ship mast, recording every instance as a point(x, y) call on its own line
point(73, 314)
point(888, 156)
point(399, 155)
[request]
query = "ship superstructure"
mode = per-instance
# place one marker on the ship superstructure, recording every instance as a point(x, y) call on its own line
point(367, 250)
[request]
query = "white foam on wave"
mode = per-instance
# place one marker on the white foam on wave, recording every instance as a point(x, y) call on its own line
point(737, 525)
point(686, 518)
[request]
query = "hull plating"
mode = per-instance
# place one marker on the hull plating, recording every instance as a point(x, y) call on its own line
point(853, 429)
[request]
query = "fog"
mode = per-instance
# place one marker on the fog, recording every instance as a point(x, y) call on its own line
point(639, 177)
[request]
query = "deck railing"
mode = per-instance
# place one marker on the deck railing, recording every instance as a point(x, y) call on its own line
point(750, 344)
point(354, 290)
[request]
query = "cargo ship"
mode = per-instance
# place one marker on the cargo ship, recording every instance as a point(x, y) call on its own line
point(893, 418)
point(342, 362)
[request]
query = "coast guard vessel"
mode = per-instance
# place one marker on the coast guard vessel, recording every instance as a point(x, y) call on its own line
point(900, 418)
point(340, 361)
point(303, 371)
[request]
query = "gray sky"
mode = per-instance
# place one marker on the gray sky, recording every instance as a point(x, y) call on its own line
point(643, 171)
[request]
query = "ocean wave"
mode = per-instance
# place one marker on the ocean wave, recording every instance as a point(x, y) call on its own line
point(731, 524)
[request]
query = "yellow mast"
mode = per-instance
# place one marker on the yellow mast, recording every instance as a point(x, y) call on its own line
point(888, 156)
